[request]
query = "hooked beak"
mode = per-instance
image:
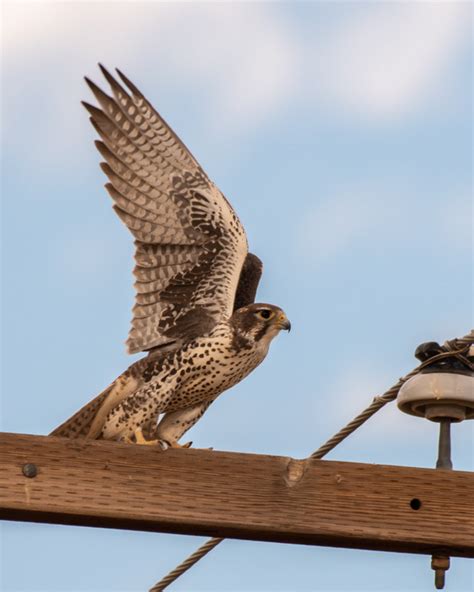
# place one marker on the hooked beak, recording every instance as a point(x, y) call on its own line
point(284, 323)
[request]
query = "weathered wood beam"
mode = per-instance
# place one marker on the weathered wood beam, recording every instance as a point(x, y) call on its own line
point(246, 496)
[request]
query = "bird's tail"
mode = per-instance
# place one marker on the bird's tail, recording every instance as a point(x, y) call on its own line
point(89, 421)
point(78, 426)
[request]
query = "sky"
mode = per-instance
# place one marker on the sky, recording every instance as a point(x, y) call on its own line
point(341, 132)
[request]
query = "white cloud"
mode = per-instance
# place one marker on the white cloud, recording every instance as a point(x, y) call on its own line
point(242, 55)
point(232, 65)
point(384, 62)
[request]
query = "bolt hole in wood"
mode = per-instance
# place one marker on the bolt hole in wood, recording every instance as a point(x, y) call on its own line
point(415, 504)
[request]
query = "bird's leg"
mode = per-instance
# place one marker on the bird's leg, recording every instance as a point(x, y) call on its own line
point(174, 424)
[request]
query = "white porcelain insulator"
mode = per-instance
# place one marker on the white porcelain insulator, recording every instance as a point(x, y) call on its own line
point(438, 395)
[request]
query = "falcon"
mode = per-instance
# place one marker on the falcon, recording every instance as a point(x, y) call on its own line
point(195, 314)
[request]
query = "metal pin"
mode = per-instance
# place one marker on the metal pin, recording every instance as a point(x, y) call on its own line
point(440, 563)
point(444, 445)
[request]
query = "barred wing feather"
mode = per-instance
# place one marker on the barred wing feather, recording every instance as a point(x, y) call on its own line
point(190, 245)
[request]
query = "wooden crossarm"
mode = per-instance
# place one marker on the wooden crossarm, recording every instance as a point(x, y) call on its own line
point(247, 496)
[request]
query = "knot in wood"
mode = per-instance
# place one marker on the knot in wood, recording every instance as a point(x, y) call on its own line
point(295, 470)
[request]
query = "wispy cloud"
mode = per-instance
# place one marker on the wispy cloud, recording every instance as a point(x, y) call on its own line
point(383, 63)
point(241, 62)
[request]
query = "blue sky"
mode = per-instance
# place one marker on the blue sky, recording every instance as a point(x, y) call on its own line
point(341, 133)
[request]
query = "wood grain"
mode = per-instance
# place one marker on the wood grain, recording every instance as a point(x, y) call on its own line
point(234, 495)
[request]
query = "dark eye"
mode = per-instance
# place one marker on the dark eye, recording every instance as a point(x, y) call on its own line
point(265, 313)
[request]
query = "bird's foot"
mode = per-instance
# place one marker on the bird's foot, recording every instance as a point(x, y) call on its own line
point(139, 438)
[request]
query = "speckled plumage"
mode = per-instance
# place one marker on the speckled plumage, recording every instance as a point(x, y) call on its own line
point(196, 280)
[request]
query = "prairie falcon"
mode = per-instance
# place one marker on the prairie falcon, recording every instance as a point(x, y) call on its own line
point(196, 282)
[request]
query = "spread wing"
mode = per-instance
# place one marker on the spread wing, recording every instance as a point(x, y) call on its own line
point(190, 245)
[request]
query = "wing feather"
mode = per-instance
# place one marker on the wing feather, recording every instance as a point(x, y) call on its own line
point(190, 245)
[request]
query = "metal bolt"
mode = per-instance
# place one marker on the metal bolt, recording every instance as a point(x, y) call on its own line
point(30, 470)
point(440, 564)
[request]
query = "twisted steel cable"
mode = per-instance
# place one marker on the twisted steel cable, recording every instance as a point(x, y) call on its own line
point(456, 347)
point(186, 564)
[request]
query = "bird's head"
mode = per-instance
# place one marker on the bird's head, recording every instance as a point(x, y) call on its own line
point(259, 323)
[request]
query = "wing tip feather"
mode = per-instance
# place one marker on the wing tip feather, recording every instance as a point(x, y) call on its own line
point(94, 111)
point(105, 168)
point(98, 93)
point(129, 83)
point(114, 85)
